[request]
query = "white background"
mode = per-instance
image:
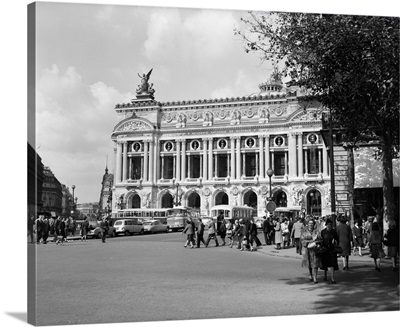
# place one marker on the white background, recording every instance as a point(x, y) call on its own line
point(13, 156)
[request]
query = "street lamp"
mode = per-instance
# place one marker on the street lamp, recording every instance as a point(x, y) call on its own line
point(73, 203)
point(270, 172)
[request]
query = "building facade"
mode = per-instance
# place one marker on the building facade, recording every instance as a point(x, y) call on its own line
point(35, 181)
point(67, 201)
point(51, 193)
point(217, 151)
point(105, 202)
point(89, 210)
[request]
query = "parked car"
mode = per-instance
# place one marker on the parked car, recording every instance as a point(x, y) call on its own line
point(128, 226)
point(155, 226)
point(95, 231)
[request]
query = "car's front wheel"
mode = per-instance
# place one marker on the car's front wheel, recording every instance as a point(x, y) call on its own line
point(141, 232)
point(127, 233)
point(113, 234)
point(98, 235)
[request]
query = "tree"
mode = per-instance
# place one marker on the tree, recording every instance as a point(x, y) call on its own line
point(348, 63)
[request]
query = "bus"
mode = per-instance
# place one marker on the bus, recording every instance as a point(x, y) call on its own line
point(232, 213)
point(177, 217)
point(142, 214)
point(288, 212)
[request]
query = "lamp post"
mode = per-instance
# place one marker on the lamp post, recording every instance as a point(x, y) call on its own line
point(73, 201)
point(270, 172)
point(76, 202)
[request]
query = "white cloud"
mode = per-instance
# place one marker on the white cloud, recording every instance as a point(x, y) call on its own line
point(74, 122)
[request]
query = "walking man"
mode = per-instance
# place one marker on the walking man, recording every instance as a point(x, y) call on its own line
point(296, 233)
point(200, 233)
point(211, 233)
point(253, 234)
point(104, 229)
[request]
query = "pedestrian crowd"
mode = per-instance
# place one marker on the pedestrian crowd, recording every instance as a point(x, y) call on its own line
point(319, 241)
point(56, 229)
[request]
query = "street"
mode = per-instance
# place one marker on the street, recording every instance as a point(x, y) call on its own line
point(154, 278)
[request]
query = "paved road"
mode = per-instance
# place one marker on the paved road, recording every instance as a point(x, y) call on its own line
point(153, 277)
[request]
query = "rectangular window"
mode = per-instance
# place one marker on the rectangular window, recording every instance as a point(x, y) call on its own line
point(222, 169)
point(250, 164)
point(313, 160)
point(279, 163)
point(168, 167)
point(136, 169)
point(194, 166)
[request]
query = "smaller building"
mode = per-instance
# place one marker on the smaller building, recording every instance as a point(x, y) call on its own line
point(105, 202)
point(67, 201)
point(35, 181)
point(51, 193)
point(87, 209)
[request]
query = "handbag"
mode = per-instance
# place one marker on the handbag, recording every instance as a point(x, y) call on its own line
point(319, 248)
point(311, 245)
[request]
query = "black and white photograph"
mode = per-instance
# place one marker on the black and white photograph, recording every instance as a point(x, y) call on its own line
point(204, 163)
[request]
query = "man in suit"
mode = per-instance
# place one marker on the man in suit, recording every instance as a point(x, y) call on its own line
point(211, 233)
point(266, 228)
point(200, 233)
point(253, 234)
point(296, 233)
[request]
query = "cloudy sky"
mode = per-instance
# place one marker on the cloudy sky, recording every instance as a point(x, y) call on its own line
point(88, 60)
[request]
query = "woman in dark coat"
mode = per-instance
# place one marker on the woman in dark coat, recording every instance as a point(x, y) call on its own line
point(345, 238)
point(392, 242)
point(222, 231)
point(329, 238)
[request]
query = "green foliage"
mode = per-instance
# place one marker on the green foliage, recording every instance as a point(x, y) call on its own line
point(348, 63)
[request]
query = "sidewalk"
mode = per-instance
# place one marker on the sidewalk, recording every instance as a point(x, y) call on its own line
point(290, 252)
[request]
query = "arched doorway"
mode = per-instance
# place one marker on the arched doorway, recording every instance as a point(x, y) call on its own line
point(314, 202)
point(167, 201)
point(135, 201)
point(194, 200)
point(221, 198)
point(250, 198)
point(280, 199)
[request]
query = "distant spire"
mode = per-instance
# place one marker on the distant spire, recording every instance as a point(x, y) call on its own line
point(106, 165)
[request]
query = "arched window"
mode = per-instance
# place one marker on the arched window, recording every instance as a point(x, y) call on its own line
point(167, 201)
point(314, 202)
point(280, 199)
point(221, 198)
point(194, 200)
point(250, 198)
point(135, 201)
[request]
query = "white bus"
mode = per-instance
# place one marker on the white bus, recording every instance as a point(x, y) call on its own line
point(177, 217)
point(232, 213)
point(143, 214)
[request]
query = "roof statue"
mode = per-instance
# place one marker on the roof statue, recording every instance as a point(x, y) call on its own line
point(145, 88)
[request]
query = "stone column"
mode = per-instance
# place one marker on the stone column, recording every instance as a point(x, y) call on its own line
point(292, 155)
point(178, 161)
point(238, 159)
point(183, 177)
point(286, 163)
point(261, 156)
point(125, 161)
point(267, 155)
point(300, 154)
point(210, 159)
point(216, 165)
point(244, 164)
point(162, 166)
point(157, 154)
point(273, 161)
point(118, 160)
point(324, 160)
point(319, 160)
point(201, 167)
point(146, 161)
point(233, 161)
point(151, 162)
point(142, 168)
point(257, 164)
point(205, 169)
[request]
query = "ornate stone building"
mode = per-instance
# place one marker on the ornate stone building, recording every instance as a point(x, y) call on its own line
point(217, 151)
point(105, 202)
